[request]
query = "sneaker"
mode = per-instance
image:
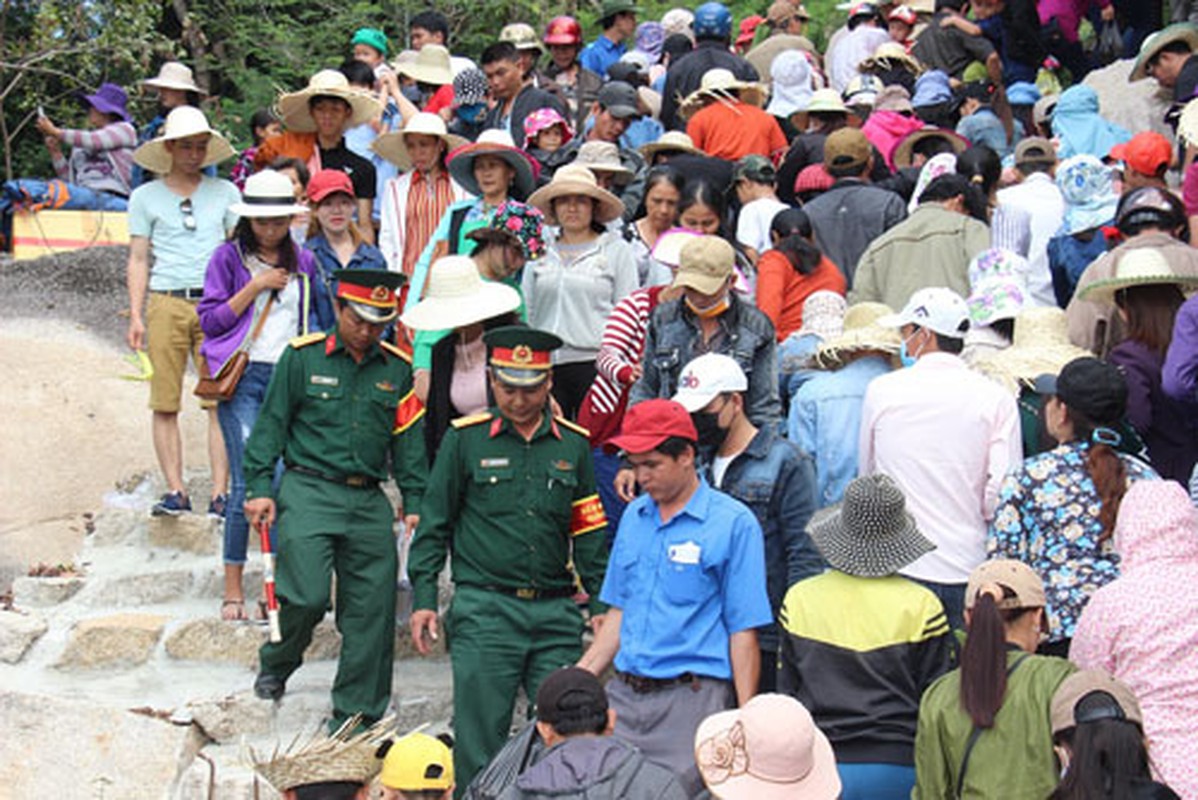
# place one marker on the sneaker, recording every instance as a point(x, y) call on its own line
point(218, 505)
point(172, 504)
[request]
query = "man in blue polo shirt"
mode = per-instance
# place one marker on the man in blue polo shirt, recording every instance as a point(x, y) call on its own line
point(686, 588)
point(618, 20)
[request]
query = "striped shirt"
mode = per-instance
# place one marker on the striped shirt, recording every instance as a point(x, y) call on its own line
point(426, 206)
point(101, 159)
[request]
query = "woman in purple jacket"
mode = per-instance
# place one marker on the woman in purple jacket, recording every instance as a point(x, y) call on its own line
point(260, 275)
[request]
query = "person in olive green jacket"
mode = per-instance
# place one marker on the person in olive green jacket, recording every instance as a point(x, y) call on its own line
point(985, 729)
point(511, 496)
point(339, 403)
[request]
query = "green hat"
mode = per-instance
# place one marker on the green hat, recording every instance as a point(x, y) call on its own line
point(520, 356)
point(756, 168)
point(371, 37)
point(371, 292)
point(609, 8)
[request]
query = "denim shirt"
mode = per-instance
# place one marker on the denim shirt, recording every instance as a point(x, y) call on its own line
point(776, 480)
point(748, 336)
point(367, 256)
point(825, 420)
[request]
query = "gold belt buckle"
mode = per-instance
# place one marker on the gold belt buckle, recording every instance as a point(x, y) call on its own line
point(526, 594)
point(356, 481)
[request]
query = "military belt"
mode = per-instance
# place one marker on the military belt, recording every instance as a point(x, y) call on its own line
point(529, 593)
point(352, 481)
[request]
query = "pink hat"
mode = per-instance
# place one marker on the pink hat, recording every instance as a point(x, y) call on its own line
point(540, 120)
point(769, 749)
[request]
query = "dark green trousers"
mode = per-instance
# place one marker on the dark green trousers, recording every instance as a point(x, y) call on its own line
point(323, 529)
point(498, 644)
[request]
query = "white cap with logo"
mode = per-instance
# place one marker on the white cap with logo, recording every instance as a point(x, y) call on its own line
point(938, 309)
point(707, 377)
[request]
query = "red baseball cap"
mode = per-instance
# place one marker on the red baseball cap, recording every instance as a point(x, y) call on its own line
point(1147, 153)
point(748, 29)
point(327, 182)
point(648, 424)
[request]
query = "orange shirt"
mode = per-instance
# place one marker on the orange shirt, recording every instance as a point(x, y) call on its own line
point(781, 290)
point(288, 144)
point(733, 130)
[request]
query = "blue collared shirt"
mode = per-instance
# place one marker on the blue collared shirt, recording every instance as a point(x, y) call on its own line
point(601, 54)
point(687, 585)
point(367, 256)
point(825, 420)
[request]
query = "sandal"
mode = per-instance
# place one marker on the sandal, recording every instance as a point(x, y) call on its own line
point(233, 611)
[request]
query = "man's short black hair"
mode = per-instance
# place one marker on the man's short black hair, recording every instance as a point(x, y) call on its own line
point(945, 187)
point(1180, 48)
point(358, 73)
point(677, 44)
point(319, 98)
point(433, 22)
point(950, 5)
point(500, 51)
point(329, 790)
point(676, 446)
point(1032, 167)
point(949, 344)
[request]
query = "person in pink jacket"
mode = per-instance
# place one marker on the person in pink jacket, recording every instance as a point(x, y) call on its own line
point(1142, 628)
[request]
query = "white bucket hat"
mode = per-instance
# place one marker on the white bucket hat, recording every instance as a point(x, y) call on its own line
point(174, 75)
point(576, 179)
point(293, 106)
point(431, 65)
point(182, 122)
point(267, 194)
point(394, 148)
point(457, 296)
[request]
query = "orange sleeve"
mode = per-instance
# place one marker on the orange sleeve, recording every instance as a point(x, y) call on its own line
point(771, 283)
point(285, 145)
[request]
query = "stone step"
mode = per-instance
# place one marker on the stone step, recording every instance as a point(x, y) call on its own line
point(117, 640)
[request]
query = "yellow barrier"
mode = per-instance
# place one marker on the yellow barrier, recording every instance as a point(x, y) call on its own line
point(47, 232)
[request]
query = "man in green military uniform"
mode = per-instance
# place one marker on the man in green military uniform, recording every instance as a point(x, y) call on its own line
point(512, 496)
point(339, 403)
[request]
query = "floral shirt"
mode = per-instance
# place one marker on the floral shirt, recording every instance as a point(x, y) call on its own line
point(1047, 517)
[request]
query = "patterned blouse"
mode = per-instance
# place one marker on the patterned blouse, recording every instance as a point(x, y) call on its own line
point(1047, 517)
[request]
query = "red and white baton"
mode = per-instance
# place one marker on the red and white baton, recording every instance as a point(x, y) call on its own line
point(268, 583)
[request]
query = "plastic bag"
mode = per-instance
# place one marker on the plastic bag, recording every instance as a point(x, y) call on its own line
point(1110, 44)
point(521, 752)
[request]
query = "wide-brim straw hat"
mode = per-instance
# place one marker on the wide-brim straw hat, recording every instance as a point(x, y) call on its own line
point(343, 756)
point(1181, 32)
point(887, 56)
point(904, 151)
point(651, 99)
point(458, 296)
point(293, 106)
point(393, 147)
point(431, 65)
point(575, 179)
point(670, 142)
point(1040, 346)
point(870, 533)
point(174, 75)
point(861, 332)
point(496, 143)
point(180, 123)
point(721, 85)
point(267, 194)
point(1139, 267)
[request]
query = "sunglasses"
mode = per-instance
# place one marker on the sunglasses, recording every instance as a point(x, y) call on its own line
point(189, 217)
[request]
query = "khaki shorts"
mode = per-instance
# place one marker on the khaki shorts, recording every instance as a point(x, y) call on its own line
point(172, 333)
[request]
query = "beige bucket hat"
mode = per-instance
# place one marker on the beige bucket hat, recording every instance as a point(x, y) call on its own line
point(174, 75)
point(394, 148)
point(670, 142)
point(576, 179)
point(603, 157)
point(431, 65)
point(457, 296)
point(180, 123)
point(293, 106)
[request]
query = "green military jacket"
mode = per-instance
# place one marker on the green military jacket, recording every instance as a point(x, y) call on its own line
point(328, 413)
point(510, 511)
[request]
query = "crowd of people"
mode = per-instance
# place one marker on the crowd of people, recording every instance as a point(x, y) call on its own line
point(838, 408)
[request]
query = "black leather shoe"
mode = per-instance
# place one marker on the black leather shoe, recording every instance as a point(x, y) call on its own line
point(269, 687)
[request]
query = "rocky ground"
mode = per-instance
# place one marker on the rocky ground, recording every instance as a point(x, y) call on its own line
point(113, 660)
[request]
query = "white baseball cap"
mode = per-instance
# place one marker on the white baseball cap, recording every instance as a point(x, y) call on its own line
point(707, 377)
point(938, 309)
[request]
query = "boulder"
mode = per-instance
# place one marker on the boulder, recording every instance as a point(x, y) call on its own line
point(141, 589)
point(31, 592)
point(216, 640)
point(112, 641)
point(114, 526)
point(18, 632)
point(191, 533)
point(58, 747)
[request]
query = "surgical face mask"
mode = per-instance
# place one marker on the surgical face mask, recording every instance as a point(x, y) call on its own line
point(472, 112)
point(708, 312)
point(906, 356)
point(707, 425)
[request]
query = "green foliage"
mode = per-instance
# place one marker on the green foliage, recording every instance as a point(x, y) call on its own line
point(244, 51)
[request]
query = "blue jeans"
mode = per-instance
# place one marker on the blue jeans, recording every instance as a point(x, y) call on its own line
point(606, 467)
point(237, 416)
point(876, 781)
point(952, 597)
point(34, 191)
